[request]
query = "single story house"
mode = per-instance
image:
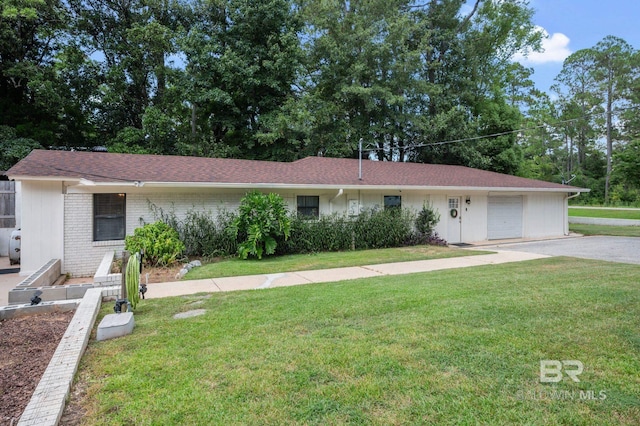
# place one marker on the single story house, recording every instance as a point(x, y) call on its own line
point(76, 206)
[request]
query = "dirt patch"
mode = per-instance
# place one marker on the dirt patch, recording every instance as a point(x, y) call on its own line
point(161, 274)
point(26, 347)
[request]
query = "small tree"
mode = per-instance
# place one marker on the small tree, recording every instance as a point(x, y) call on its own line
point(427, 220)
point(261, 218)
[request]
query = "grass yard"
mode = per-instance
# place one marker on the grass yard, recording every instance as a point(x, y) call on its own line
point(616, 231)
point(269, 265)
point(447, 347)
point(605, 213)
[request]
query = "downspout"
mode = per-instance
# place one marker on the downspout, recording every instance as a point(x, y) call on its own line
point(566, 230)
point(340, 192)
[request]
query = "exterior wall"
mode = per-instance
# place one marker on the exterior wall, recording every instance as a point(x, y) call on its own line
point(42, 222)
point(82, 255)
point(474, 217)
point(544, 215)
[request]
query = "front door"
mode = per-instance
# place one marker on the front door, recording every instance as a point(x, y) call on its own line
point(454, 221)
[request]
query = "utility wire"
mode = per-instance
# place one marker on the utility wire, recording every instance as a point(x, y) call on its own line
point(493, 135)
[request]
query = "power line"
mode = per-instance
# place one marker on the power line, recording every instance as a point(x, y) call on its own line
point(493, 135)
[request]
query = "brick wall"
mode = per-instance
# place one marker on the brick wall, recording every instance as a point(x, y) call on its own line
point(82, 256)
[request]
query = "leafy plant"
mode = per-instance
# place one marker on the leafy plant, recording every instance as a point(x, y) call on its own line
point(202, 232)
point(261, 218)
point(160, 244)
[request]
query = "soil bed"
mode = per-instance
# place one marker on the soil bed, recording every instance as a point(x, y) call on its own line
point(26, 347)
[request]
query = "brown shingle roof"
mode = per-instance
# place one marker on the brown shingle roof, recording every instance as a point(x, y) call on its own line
point(311, 171)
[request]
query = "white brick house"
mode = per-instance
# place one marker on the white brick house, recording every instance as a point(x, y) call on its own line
point(76, 206)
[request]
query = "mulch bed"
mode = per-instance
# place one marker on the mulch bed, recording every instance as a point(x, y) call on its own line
point(26, 347)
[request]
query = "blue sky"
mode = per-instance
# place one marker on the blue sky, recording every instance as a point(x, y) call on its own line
point(572, 25)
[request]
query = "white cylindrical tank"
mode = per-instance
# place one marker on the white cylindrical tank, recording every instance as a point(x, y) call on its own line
point(14, 247)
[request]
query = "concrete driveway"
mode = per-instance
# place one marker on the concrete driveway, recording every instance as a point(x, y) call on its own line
point(614, 249)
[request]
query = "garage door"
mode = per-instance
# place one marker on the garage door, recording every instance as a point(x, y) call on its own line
point(504, 217)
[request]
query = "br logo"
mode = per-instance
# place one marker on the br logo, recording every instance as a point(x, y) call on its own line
point(551, 370)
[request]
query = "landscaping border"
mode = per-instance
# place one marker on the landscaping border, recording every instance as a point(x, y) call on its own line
point(48, 400)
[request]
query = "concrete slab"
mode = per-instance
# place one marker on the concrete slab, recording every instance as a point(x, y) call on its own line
point(613, 249)
point(190, 314)
point(289, 279)
point(8, 281)
point(337, 274)
point(179, 288)
point(115, 325)
point(249, 282)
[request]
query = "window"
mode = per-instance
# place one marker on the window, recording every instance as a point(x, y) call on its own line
point(109, 217)
point(454, 203)
point(308, 205)
point(392, 202)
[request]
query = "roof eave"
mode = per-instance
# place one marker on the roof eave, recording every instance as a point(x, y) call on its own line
point(258, 185)
point(266, 185)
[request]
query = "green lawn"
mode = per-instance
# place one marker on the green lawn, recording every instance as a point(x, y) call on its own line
point(448, 347)
point(269, 265)
point(616, 231)
point(605, 213)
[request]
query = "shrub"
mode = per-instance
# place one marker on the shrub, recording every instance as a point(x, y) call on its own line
point(427, 219)
point(375, 228)
point(202, 233)
point(206, 235)
point(372, 228)
point(159, 243)
point(261, 218)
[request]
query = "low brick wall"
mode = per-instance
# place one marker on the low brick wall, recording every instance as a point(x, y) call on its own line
point(103, 276)
point(45, 276)
point(43, 279)
point(16, 311)
point(21, 295)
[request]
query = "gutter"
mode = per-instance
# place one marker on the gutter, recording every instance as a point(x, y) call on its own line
point(75, 181)
point(340, 192)
point(337, 195)
point(566, 211)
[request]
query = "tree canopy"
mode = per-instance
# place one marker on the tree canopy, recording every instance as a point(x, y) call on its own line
point(431, 81)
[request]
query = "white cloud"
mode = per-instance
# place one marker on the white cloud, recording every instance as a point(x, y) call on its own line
point(555, 48)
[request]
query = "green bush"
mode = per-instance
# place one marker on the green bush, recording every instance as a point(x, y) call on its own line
point(159, 243)
point(202, 233)
point(372, 228)
point(261, 220)
point(427, 220)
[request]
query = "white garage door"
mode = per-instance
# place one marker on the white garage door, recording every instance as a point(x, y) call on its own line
point(504, 217)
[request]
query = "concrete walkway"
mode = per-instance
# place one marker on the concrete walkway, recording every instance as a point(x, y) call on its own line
point(255, 282)
point(8, 281)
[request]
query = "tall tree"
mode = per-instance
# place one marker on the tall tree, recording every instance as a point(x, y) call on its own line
point(30, 35)
point(242, 63)
point(612, 73)
point(132, 39)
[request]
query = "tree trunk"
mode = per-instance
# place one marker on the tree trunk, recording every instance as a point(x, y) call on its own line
point(609, 138)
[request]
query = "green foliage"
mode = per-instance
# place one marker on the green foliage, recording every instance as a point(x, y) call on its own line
point(12, 148)
point(132, 279)
point(427, 220)
point(261, 219)
point(203, 233)
point(159, 243)
point(372, 228)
